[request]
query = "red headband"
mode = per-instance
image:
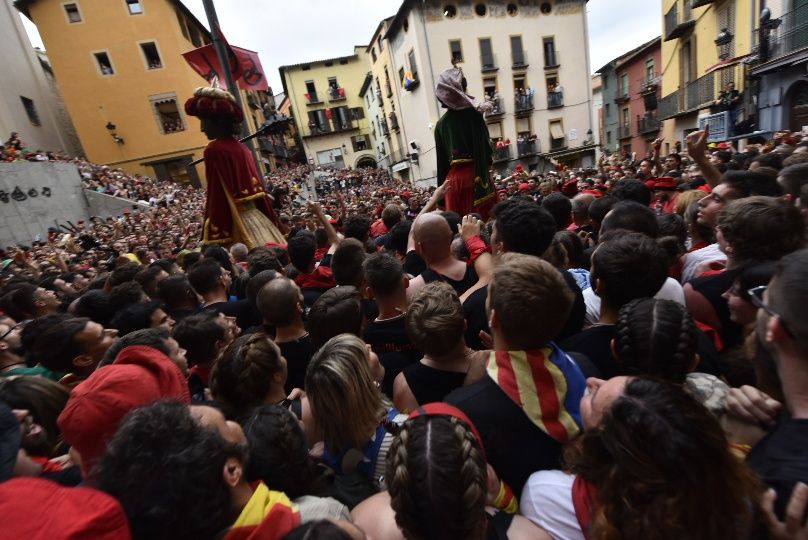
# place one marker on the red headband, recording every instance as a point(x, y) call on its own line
point(444, 409)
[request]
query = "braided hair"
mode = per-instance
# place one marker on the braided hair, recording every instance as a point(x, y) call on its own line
point(437, 480)
point(243, 375)
point(655, 337)
point(279, 455)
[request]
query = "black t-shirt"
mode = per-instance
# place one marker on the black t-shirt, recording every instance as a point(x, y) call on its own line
point(246, 316)
point(298, 354)
point(389, 340)
point(514, 445)
point(477, 318)
point(781, 459)
point(413, 264)
point(429, 384)
point(596, 344)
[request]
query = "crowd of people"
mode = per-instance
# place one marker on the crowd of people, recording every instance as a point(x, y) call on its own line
point(616, 352)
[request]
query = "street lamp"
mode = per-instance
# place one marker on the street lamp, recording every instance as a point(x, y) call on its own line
point(111, 128)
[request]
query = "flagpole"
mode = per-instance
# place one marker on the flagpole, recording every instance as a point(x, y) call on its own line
point(224, 62)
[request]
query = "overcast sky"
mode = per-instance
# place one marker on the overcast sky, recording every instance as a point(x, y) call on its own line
point(285, 32)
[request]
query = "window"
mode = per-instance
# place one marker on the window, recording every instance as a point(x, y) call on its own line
point(167, 113)
point(512, 10)
point(30, 110)
point(606, 107)
point(373, 53)
point(486, 54)
point(625, 116)
point(405, 24)
point(546, 8)
point(72, 12)
point(490, 87)
point(556, 133)
point(194, 36)
point(624, 84)
point(550, 56)
point(311, 92)
point(480, 10)
point(332, 82)
point(650, 67)
point(134, 7)
point(449, 11)
point(401, 76)
point(104, 65)
point(360, 143)
point(517, 53)
point(608, 137)
point(151, 55)
point(456, 51)
point(357, 113)
point(381, 44)
point(183, 26)
point(413, 65)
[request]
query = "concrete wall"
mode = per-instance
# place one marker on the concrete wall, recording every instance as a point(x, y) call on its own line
point(49, 194)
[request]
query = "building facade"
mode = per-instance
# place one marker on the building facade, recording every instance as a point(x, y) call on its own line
point(30, 100)
point(531, 58)
point(781, 66)
point(597, 113)
point(637, 78)
point(124, 80)
point(329, 112)
point(706, 44)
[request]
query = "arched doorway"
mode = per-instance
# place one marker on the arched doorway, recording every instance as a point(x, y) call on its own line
point(796, 106)
point(366, 161)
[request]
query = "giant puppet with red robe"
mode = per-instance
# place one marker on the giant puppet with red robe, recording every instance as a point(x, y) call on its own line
point(237, 208)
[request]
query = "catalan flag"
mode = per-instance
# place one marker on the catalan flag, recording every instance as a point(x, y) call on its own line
point(546, 384)
point(268, 515)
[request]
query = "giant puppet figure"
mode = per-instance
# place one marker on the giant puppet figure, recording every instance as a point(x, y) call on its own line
point(237, 209)
point(463, 148)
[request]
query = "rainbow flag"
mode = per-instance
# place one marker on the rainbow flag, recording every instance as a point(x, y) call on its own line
point(546, 384)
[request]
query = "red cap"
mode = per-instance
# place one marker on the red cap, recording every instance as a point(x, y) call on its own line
point(125, 210)
point(524, 187)
point(139, 376)
point(663, 183)
point(38, 509)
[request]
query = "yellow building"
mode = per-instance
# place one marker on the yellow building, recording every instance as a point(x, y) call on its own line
point(124, 81)
point(330, 115)
point(704, 45)
point(382, 101)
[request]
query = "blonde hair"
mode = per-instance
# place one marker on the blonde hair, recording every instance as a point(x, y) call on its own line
point(435, 319)
point(344, 397)
point(686, 197)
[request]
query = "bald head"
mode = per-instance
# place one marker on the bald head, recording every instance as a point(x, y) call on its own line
point(433, 236)
point(278, 302)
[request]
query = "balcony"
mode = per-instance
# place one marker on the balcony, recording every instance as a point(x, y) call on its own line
point(648, 124)
point(551, 60)
point(394, 121)
point(558, 144)
point(388, 88)
point(677, 24)
point(498, 109)
point(669, 105)
point(650, 83)
point(527, 147)
point(696, 95)
point(698, 3)
point(312, 98)
point(502, 154)
point(336, 94)
point(316, 130)
point(555, 100)
point(523, 103)
point(519, 60)
point(379, 94)
point(789, 33)
point(385, 129)
point(623, 96)
point(624, 131)
point(488, 63)
point(343, 124)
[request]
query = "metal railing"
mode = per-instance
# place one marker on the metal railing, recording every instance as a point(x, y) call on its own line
point(488, 62)
point(498, 109)
point(336, 94)
point(527, 147)
point(669, 105)
point(649, 83)
point(519, 60)
point(343, 124)
point(312, 98)
point(677, 23)
point(648, 123)
point(788, 33)
point(319, 129)
point(624, 131)
point(555, 99)
point(502, 154)
point(523, 102)
point(552, 60)
point(393, 121)
point(385, 129)
point(700, 92)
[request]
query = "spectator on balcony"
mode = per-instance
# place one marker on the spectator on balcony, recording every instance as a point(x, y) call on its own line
point(728, 101)
point(463, 148)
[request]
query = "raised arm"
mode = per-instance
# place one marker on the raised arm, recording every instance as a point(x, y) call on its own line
point(697, 148)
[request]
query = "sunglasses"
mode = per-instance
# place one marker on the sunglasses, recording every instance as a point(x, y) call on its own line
point(12, 328)
point(756, 295)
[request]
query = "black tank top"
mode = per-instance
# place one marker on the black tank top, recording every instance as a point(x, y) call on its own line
point(461, 286)
point(429, 384)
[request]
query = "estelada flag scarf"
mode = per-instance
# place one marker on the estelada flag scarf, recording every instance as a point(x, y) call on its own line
point(546, 384)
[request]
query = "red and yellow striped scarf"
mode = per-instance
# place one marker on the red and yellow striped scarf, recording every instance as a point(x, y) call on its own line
point(546, 384)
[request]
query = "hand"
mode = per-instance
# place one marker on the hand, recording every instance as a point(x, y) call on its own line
point(707, 266)
point(314, 207)
point(657, 144)
point(296, 393)
point(751, 405)
point(697, 143)
point(486, 339)
point(470, 227)
point(792, 529)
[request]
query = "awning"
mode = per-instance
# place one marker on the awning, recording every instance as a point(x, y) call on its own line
point(401, 165)
point(726, 63)
point(570, 152)
point(556, 130)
